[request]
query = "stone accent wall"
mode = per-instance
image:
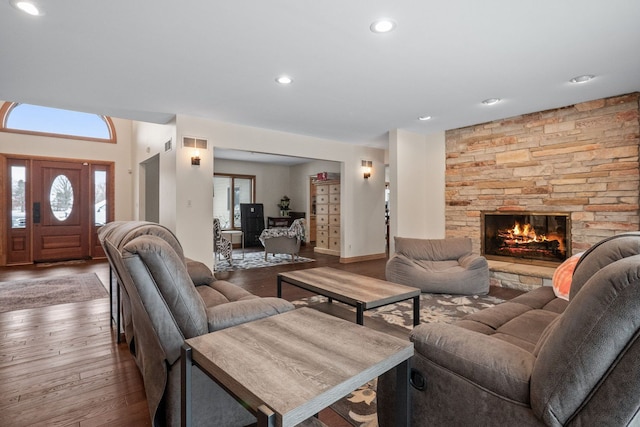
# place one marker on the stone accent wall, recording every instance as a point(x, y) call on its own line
point(581, 159)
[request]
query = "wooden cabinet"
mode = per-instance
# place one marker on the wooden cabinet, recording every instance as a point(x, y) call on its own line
point(327, 194)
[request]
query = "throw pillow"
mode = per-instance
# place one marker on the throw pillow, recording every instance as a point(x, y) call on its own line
point(563, 275)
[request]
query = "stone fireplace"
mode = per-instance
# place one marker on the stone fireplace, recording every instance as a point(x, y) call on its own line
point(526, 237)
point(581, 161)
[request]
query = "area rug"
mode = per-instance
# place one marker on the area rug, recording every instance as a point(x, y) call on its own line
point(22, 294)
point(359, 408)
point(256, 260)
point(434, 308)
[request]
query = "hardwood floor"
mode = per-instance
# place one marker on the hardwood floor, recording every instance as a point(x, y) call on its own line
point(62, 366)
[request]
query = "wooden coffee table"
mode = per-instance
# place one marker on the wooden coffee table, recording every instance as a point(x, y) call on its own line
point(288, 367)
point(361, 292)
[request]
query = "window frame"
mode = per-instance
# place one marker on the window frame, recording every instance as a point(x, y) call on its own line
point(233, 177)
point(8, 107)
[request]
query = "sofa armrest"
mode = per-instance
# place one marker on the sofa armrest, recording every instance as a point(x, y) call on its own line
point(200, 274)
point(489, 363)
point(238, 312)
point(473, 261)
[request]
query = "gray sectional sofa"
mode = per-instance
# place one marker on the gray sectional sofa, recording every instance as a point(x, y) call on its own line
point(168, 298)
point(536, 359)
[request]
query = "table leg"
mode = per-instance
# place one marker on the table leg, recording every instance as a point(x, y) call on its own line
point(111, 293)
point(266, 417)
point(360, 313)
point(403, 406)
point(118, 309)
point(279, 292)
point(185, 386)
point(416, 310)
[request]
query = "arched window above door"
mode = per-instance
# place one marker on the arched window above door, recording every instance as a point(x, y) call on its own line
point(37, 120)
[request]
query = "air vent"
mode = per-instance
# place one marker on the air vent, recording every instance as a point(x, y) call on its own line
point(167, 146)
point(198, 143)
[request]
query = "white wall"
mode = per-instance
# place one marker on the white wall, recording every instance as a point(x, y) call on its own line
point(120, 153)
point(417, 182)
point(150, 140)
point(362, 202)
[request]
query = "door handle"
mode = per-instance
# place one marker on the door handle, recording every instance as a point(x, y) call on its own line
point(36, 213)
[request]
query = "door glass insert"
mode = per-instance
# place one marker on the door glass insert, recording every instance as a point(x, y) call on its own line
point(18, 197)
point(100, 197)
point(61, 197)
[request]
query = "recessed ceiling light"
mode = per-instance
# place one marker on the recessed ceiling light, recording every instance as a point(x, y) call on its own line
point(424, 118)
point(382, 26)
point(491, 101)
point(582, 79)
point(284, 80)
point(26, 7)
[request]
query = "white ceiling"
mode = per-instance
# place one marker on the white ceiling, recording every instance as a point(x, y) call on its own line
point(149, 60)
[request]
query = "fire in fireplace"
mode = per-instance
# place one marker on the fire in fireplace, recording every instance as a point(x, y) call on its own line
point(534, 238)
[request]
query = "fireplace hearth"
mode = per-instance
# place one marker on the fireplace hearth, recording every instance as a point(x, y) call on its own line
point(526, 237)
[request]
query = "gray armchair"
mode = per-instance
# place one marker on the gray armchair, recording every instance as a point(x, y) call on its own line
point(445, 266)
point(167, 307)
point(536, 360)
point(283, 240)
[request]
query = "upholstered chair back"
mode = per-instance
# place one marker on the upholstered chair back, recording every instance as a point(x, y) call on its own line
point(433, 249)
point(163, 283)
point(119, 233)
point(589, 358)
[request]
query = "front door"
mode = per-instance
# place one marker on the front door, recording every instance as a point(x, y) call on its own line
point(60, 210)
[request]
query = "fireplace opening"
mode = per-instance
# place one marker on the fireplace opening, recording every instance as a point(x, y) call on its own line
point(526, 237)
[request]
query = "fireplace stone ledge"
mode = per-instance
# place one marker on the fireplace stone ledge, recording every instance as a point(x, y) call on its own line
point(524, 277)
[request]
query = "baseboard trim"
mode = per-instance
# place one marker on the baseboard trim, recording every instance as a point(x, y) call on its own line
point(362, 258)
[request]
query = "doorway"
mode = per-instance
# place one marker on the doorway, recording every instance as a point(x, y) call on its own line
point(54, 208)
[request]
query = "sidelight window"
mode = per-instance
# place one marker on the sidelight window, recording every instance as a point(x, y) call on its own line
point(18, 197)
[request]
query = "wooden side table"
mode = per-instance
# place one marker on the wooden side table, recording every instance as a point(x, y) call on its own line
point(303, 349)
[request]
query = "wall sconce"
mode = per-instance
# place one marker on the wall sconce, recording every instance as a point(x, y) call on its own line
point(195, 160)
point(366, 168)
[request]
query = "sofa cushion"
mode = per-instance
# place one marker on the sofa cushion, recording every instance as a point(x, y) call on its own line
point(491, 364)
point(210, 296)
point(232, 292)
point(519, 321)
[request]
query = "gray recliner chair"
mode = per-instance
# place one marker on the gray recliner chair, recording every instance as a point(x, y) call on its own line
point(445, 266)
point(166, 307)
point(573, 364)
